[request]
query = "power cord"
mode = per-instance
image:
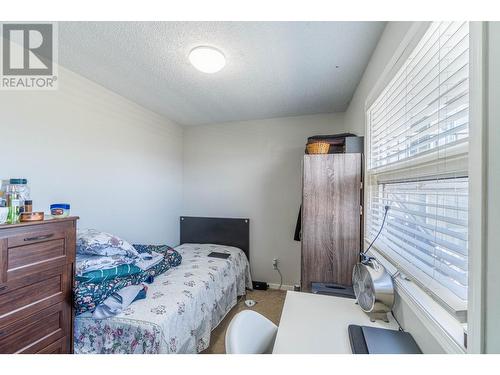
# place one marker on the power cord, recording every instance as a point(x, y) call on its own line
point(396, 319)
point(379, 231)
point(281, 277)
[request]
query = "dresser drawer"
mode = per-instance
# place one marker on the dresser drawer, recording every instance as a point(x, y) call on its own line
point(21, 298)
point(25, 252)
point(38, 235)
point(58, 347)
point(35, 332)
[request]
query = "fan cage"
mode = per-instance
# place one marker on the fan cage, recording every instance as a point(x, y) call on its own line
point(363, 288)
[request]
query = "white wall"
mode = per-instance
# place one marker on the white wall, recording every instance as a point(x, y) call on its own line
point(117, 164)
point(390, 40)
point(253, 169)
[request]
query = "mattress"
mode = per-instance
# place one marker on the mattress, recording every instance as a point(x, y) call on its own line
point(182, 307)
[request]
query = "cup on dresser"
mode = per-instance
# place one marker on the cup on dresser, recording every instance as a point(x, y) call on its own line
point(4, 212)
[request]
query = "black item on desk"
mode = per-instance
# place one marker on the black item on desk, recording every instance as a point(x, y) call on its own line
point(215, 254)
point(372, 340)
point(357, 340)
point(332, 289)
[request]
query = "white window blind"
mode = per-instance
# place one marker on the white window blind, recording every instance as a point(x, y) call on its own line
point(417, 163)
point(426, 105)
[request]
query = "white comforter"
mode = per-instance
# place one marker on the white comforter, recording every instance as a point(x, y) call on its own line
point(182, 307)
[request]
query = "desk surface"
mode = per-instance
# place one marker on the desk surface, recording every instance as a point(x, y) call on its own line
point(313, 323)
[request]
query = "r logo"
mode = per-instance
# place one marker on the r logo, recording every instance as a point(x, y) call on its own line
point(27, 49)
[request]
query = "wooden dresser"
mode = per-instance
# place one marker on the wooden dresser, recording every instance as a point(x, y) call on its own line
point(36, 278)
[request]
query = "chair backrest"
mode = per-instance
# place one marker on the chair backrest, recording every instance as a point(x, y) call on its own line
point(250, 333)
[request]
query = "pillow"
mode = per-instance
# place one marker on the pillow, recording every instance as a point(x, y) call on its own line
point(94, 242)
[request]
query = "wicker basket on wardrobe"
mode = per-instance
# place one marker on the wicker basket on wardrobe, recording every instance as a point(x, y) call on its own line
point(318, 148)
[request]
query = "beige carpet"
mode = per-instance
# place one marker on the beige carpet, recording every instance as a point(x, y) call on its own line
point(269, 303)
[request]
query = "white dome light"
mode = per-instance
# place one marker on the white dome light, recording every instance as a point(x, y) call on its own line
point(207, 59)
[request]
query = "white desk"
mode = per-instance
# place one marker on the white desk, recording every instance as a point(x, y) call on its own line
point(313, 323)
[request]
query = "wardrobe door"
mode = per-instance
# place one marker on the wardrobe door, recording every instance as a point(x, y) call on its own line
point(330, 218)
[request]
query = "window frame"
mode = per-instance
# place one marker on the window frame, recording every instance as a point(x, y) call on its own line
point(477, 185)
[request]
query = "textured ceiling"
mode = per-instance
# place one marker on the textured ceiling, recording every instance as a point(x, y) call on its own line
point(273, 69)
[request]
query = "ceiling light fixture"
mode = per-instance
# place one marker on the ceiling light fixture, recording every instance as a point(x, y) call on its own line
point(207, 59)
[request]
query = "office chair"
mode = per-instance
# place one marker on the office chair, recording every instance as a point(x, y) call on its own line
point(250, 333)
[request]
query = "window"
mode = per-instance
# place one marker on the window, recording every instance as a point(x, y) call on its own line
point(418, 129)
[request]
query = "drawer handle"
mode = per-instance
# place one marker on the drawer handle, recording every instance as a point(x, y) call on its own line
point(38, 238)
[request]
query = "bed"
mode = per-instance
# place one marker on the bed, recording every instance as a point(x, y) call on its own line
point(184, 304)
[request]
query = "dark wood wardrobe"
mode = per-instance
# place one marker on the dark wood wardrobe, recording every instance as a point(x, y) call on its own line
point(331, 218)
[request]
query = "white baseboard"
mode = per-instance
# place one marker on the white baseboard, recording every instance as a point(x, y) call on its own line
point(283, 287)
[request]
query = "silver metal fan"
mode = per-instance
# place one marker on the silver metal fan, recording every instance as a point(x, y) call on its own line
point(373, 288)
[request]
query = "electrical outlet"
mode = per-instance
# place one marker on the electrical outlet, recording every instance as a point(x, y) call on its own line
point(275, 263)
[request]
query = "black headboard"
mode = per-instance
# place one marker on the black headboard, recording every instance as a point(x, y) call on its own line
point(221, 231)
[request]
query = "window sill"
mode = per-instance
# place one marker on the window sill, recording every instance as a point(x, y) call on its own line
point(445, 328)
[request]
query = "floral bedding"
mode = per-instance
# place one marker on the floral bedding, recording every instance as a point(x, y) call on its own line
point(88, 294)
point(182, 307)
